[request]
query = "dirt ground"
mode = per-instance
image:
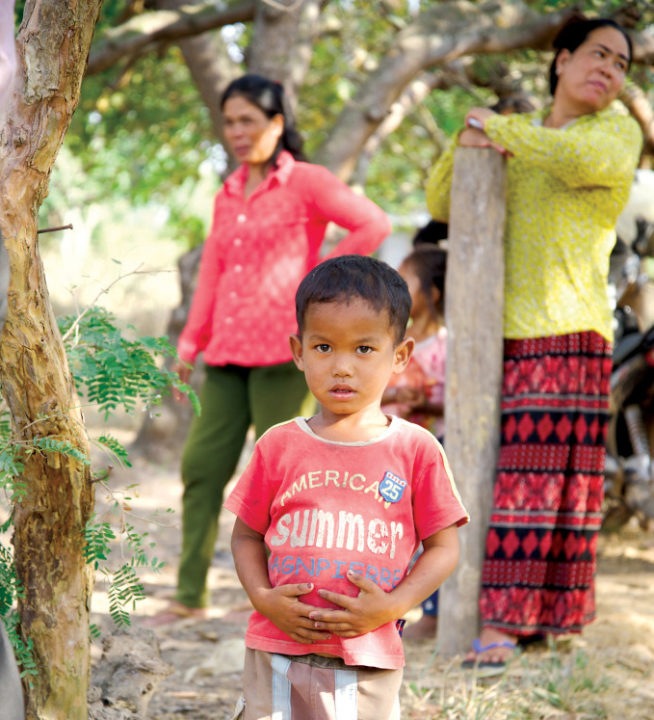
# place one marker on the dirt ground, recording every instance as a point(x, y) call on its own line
point(608, 672)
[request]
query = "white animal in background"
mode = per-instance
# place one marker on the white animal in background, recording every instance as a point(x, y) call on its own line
point(640, 204)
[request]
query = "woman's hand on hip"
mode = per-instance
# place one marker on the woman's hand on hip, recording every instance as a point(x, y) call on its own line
point(184, 371)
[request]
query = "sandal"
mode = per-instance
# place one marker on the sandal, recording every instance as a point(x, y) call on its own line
point(489, 667)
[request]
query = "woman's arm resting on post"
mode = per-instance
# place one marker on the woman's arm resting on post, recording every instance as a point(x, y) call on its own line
point(598, 150)
point(439, 181)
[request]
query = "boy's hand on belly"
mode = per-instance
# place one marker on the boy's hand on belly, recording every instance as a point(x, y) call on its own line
point(282, 606)
point(370, 609)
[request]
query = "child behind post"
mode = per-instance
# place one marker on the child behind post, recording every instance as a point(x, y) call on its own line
point(331, 509)
point(418, 393)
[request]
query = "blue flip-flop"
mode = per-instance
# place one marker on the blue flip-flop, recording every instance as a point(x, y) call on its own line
point(488, 665)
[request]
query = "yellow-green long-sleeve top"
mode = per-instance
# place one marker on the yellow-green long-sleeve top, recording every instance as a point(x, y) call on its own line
point(565, 190)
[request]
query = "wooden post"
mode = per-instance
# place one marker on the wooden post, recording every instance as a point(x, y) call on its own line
point(474, 318)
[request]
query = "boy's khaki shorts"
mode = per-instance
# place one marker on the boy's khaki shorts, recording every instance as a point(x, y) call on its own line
point(282, 687)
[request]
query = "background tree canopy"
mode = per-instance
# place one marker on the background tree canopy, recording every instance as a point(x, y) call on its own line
point(378, 86)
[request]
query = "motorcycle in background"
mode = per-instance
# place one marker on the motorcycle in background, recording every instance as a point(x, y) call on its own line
point(629, 469)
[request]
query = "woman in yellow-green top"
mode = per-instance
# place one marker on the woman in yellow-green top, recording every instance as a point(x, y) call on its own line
point(570, 168)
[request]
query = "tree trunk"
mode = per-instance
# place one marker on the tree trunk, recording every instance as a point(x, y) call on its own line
point(282, 44)
point(50, 520)
point(4, 281)
point(210, 66)
point(474, 312)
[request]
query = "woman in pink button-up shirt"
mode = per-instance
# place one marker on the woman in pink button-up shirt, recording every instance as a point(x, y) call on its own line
point(269, 222)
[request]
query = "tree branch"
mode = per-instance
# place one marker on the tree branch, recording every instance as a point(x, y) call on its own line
point(209, 63)
point(411, 98)
point(639, 106)
point(139, 34)
point(439, 35)
point(643, 47)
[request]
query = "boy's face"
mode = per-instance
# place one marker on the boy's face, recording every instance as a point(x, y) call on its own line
point(347, 354)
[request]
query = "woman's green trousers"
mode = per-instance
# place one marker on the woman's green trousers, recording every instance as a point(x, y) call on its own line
point(232, 398)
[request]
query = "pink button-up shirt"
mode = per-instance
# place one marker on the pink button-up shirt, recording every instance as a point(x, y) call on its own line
point(258, 251)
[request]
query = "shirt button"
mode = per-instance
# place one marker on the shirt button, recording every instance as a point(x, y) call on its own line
point(238, 268)
point(241, 218)
point(233, 294)
point(237, 242)
point(229, 320)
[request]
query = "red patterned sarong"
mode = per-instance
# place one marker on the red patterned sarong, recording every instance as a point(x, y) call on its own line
point(538, 574)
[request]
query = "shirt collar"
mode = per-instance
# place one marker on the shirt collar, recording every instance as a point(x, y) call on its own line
point(539, 116)
point(285, 163)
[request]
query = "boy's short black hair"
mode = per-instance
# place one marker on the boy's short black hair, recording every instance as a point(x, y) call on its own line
point(356, 276)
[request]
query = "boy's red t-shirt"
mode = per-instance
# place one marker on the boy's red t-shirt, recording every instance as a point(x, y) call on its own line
point(326, 507)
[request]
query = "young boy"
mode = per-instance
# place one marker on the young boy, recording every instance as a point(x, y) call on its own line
point(331, 509)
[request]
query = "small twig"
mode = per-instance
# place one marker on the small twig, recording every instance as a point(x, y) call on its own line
point(282, 7)
point(115, 495)
point(102, 478)
point(104, 291)
point(54, 229)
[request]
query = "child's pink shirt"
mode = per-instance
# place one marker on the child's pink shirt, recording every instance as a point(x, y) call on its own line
point(426, 370)
point(258, 251)
point(326, 507)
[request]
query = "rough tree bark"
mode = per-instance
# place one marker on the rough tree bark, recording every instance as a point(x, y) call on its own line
point(4, 281)
point(474, 371)
point(53, 46)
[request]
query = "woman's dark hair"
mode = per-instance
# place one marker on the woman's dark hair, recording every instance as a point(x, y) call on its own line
point(350, 277)
point(430, 264)
point(270, 98)
point(574, 34)
point(431, 233)
point(513, 104)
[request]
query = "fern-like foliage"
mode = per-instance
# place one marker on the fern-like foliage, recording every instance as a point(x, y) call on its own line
point(10, 589)
point(98, 537)
point(22, 649)
point(125, 587)
point(116, 448)
point(9, 585)
point(52, 445)
point(113, 371)
point(11, 460)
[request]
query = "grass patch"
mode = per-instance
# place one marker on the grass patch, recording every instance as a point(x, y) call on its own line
point(544, 684)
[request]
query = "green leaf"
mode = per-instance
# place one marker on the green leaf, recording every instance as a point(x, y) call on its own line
point(116, 448)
